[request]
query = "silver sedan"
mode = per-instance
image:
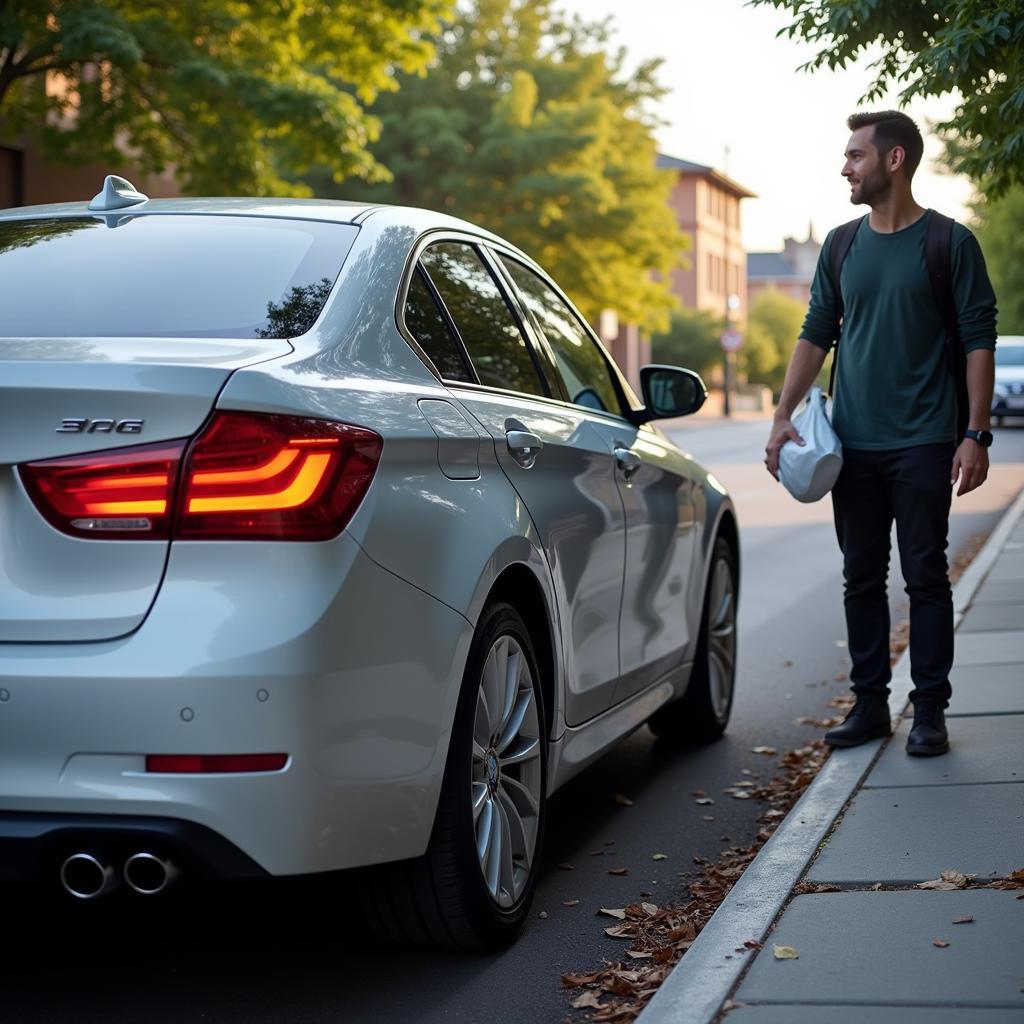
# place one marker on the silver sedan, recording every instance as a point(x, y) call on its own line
point(330, 537)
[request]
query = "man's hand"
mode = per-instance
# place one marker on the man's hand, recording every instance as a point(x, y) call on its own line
point(782, 431)
point(970, 465)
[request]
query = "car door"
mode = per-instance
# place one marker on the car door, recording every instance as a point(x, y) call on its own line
point(561, 467)
point(655, 482)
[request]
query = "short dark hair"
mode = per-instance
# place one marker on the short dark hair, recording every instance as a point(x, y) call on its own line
point(892, 128)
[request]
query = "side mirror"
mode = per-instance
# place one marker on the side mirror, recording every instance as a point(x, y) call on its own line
point(668, 392)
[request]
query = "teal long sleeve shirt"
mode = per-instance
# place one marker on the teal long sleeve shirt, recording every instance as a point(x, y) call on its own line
point(893, 385)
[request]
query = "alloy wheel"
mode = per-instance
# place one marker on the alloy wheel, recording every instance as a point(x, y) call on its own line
point(721, 638)
point(507, 772)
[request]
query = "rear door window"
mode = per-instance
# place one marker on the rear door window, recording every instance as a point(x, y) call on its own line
point(483, 318)
point(167, 276)
point(581, 364)
point(428, 326)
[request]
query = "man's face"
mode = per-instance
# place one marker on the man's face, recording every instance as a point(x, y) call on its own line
point(865, 169)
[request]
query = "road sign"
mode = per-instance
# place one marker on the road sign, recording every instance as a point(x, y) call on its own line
point(732, 340)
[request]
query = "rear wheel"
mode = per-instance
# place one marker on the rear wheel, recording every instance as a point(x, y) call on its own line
point(702, 713)
point(473, 887)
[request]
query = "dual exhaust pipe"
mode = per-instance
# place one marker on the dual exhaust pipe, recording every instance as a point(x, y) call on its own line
point(87, 877)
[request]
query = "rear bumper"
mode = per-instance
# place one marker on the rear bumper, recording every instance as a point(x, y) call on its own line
point(32, 845)
point(310, 650)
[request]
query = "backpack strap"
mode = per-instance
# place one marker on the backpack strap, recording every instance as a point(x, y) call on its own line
point(937, 256)
point(842, 239)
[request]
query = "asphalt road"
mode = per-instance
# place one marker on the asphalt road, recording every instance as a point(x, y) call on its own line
point(286, 953)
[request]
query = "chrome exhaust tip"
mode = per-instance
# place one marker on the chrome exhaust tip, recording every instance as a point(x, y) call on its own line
point(148, 874)
point(85, 877)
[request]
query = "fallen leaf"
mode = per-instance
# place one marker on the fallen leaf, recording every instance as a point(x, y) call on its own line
point(941, 943)
point(763, 750)
point(543, 915)
point(634, 954)
point(587, 1001)
point(660, 856)
point(738, 794)
point(622, 800)
point(618, 871)
point(566, 867)
point(597, 853)
point(621, 931)
point(570, 903)
point(619, 915)
point(947, 880)
point(963, 920)
point(752, 944)
point(704, 800)
point(575, 980)
point(649, 909)
point(785, 953)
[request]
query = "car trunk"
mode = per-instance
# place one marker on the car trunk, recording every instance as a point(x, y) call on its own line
point(61, 397)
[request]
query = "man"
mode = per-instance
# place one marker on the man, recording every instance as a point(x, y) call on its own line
point(895, 414)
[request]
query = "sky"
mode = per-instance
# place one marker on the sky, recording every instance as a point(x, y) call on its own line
point(733, 84)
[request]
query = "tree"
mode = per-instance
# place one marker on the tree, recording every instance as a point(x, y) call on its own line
point(929, 48)
point(694, 340)
point(999, 225)
point(773, 327)
point(238, 96)
point(527, 124)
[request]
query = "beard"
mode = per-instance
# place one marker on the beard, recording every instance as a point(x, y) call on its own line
point(872, 188)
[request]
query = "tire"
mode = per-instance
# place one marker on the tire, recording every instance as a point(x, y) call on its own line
point(702, 713)
point(473, 887)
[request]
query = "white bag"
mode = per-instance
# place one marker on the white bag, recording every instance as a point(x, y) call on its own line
point(809, 471)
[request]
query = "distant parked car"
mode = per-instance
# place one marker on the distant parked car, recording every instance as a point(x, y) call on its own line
point(1008, 397)
point(330, 537)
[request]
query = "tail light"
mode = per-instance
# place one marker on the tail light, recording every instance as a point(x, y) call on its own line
point(120, 494)
point(247, 476)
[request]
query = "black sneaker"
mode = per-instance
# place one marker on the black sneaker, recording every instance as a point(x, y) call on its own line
point(928, 735)
point(868, 720)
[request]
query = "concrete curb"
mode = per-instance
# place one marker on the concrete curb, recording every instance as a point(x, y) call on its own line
point(698, 986)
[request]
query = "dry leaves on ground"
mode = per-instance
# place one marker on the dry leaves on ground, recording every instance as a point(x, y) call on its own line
point(947, 880)
point(785, 953)
point(658, 937)
point(941, 943)
point(1014, 880)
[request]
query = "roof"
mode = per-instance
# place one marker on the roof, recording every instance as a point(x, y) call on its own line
point(305, 209)
point(770, 264)
point(672, 163)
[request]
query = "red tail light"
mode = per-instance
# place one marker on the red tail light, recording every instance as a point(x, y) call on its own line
point(252, 477)
point(113, 495)
point(246, 477)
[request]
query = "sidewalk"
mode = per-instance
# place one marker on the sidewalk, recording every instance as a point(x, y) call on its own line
point(873, 948)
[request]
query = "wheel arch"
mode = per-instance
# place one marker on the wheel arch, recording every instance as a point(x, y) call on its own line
point(518, 586)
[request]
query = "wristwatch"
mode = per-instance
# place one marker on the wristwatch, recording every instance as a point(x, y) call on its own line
point(983, 437)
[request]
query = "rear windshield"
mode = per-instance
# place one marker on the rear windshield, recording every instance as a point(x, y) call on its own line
point(167, 276)
point(1009, 355)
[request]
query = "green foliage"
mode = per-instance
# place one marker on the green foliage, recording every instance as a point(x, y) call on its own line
point(527, 124)
point(999, 225)
point(929, 48)
point(237, 96)
point(773, 327)
point(693, 341)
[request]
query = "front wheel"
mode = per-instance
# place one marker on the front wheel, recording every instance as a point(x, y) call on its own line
point(702, 713)
point(473, 887)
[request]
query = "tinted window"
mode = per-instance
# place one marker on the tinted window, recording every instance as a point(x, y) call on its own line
point(483, 318)
point(169, 276)
point(580, 362)
point(428, 327)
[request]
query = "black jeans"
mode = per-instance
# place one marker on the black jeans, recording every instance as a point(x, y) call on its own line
point(910, 485)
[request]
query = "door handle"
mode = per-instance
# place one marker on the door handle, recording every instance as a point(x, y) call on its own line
point(629, 462)
point(524, 447)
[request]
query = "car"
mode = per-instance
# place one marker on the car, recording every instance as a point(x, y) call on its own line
point(1008, 396)
point(330, 538)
